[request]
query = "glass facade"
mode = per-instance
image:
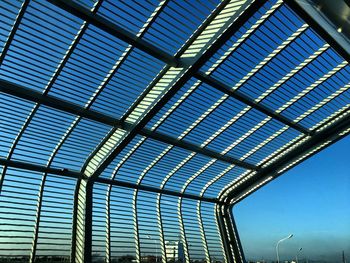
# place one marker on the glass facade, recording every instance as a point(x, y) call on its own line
point(129, 129)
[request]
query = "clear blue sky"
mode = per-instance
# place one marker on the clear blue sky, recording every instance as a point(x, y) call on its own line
point(312, 201)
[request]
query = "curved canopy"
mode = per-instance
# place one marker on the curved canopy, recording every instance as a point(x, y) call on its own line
point(170, 102)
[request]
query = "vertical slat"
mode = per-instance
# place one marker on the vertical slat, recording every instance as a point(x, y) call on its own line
point(183, 231)
point(136, 229)
point(75, 215)
point(108, 224)
point(88, 222)
point(201, 227)
point(160, 226)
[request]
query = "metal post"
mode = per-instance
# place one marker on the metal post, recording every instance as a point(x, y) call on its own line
point(223, 233)
point(82, 222)
point(136, 228)
point(183, 231)
point(233, 234)
point(108, 224)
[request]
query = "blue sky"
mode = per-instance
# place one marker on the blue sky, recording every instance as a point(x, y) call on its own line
point(311, 201)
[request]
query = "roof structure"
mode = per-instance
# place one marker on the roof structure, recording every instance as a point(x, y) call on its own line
point(126, 125)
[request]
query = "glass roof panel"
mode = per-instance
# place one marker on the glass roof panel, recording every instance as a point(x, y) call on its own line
point(113, 167)
point(177, 22)
point(215, 187)
point(39, 45)
point(88, 66)
point(196, 185)
point(77, 146)
point(130, 15)
point(14, 119)
point(133, 74)
point(192, 229)
point(18, 206)
point(284, 65)
point(244, 57)
point(56, 216)
point(271, 145)
point(210, 227)
point(158, 174)
point(10, 10)
point(306, 108)
point(162, 112)
point(42, 135)
point(188, 168)
point(188, 111)
point(143, 157)
point(306, 79)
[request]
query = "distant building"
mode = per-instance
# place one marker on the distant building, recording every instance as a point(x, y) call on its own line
point(174, 251)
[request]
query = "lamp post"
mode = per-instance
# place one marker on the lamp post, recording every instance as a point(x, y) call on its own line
point(296, 256)
point(277, 246)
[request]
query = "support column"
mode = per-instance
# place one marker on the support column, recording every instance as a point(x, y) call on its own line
point(224, 235)
point(82, 222)
point(231, 228)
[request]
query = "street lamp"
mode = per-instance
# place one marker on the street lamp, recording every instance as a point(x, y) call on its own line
point(296, 256)
point(277, 246)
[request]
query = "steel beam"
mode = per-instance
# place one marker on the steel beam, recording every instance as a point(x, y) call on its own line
point(233, 233)
point(39, 168)
point(246, 100)
point(59, 104)
point(73, 174)
point(235, 229)
point(74, 220)
point(153, 189)
point(186, 45)
point(82, 222)
point(115, 30)
point(332, 134)
point(56, 103)
point(194, 148)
